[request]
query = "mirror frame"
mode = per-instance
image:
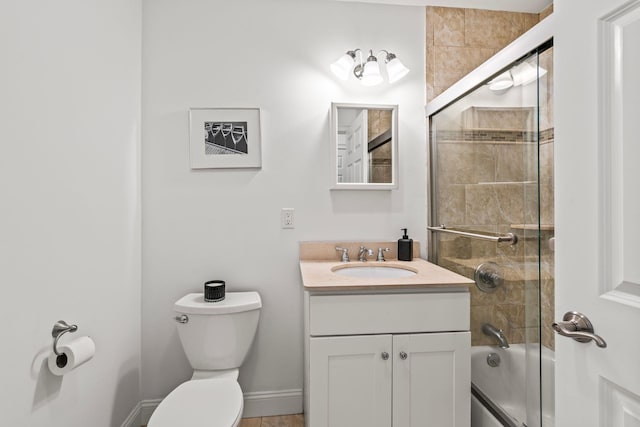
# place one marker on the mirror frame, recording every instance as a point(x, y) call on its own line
point(333, 121)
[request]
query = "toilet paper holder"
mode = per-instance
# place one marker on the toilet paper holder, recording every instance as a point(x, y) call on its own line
point(60, 328)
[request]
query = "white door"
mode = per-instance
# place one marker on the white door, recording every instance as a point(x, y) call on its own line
point(597, 175)
point(350, 380)
point(357, 158)
point(340, 156)
point(431, 380)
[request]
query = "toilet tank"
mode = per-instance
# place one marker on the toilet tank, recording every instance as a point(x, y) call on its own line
point(218, 335)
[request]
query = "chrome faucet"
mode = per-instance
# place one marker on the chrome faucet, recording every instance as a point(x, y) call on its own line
point(491, 331)
point(364, 252)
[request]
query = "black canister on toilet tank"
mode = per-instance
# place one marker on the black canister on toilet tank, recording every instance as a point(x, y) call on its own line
point(214, 290)
point(405, 247)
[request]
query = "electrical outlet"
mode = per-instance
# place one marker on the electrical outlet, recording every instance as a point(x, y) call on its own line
point(286, 218)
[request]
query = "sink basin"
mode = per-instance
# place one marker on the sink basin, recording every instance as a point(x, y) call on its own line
point(374, 271)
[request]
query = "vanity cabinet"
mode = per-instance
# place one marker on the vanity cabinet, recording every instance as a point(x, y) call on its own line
point(350, 382)
point(387, 359)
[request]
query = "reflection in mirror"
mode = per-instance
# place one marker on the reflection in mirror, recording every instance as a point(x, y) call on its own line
point(364, 146)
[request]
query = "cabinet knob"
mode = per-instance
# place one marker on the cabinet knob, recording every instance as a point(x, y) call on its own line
point(385, 355)
point(403, 355)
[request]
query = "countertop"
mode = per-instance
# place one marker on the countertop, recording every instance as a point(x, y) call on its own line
point(319, 276)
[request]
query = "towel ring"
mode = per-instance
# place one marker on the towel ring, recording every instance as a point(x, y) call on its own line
point(60, 328)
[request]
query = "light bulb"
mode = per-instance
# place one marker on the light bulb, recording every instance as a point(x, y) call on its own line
point(395, 69)
point(343, 65)
point(371, 72)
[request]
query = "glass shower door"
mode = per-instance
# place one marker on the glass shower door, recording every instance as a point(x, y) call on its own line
point(487, 184)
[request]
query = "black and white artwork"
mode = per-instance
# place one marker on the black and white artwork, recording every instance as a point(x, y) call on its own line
point(225, 138)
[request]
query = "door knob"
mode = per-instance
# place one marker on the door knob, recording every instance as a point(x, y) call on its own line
point(577, 326)
point(384, 355)
point(403, 355)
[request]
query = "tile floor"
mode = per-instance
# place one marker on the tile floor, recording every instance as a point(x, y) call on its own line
point(279, 421)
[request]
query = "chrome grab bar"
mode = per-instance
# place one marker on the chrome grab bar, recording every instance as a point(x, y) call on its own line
point(509, 237)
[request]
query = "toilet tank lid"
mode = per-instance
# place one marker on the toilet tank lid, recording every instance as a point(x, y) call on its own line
point(234, 302)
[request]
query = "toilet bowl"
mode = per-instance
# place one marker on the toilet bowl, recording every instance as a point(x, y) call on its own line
point(216, 338)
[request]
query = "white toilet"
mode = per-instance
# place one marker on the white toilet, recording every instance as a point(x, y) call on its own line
point(216, 338)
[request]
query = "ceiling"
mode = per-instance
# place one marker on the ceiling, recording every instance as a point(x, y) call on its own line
point(530, 6)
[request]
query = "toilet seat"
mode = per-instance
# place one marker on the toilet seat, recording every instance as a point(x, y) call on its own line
point(201, 403)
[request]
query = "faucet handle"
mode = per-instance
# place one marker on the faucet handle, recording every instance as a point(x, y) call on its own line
point(381, 254)
point(345, 254)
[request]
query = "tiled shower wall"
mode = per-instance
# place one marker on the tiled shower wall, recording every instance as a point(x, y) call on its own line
point(379, 121)
point(458, 40)
point(487, 183)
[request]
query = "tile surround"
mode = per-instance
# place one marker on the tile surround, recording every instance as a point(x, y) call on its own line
point(458, 40)
point(380, 163)
point(495, 29)
point(516, 308)
point(512, 307)
point(448, 26)
point(453, 62)
point(487, 182)
point(498, 118)
point(546, 12)
point(379, 121)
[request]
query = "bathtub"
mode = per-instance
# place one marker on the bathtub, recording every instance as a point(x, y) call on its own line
point(499, 397)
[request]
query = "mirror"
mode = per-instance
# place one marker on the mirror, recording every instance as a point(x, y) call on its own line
point(364, 146)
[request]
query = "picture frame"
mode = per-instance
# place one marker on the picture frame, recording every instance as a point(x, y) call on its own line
point(225, 138)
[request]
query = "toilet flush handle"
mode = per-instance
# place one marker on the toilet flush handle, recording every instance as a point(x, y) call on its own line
point(182, 318)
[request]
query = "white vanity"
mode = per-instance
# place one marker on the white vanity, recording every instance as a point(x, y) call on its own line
point(383, 352)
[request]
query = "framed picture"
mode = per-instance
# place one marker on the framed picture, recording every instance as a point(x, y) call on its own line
point(224, 138)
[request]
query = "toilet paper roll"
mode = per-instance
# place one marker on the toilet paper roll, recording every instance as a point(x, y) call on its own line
point(73, 354)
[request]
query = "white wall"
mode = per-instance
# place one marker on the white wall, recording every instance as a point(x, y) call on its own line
point(528, 6)
point(70, 216)
point(224, 224)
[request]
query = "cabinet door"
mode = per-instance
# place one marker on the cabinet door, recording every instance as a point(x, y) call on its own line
point(350, 381)
point(431, 386)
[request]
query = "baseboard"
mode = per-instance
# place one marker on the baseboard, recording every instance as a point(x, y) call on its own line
point(267, 403)
point(133, 420)
point(256, 404)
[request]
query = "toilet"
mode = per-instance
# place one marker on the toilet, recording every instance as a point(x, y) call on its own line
point(216, 337)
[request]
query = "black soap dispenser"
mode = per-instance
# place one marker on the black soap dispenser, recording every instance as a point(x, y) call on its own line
point(405, 247)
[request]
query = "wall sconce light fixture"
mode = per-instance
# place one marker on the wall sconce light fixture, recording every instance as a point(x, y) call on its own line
point(368, 72)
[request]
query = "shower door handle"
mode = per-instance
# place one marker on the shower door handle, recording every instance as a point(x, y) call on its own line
point(577, 326)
